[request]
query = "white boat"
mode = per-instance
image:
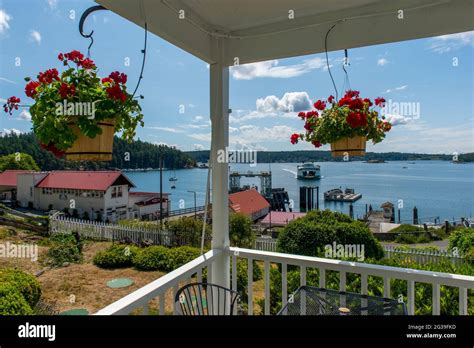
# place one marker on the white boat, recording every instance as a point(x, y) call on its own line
point(308, 171)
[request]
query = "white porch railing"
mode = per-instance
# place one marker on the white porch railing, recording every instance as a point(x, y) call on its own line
point(141, 297)
point(157, 289)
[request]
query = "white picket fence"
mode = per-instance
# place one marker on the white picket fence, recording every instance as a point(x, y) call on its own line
point(423, 256)
point(108, 232)
point(417, 255)
point(265, 244)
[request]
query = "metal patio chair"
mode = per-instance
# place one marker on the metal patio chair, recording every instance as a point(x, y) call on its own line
point(206, 299)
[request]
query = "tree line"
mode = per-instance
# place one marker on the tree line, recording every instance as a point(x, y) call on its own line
point(325, 156)
point(135, 155)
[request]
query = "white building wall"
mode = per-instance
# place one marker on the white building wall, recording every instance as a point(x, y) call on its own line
point(26, 188)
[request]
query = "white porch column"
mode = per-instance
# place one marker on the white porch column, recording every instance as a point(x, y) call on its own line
point(219, 108)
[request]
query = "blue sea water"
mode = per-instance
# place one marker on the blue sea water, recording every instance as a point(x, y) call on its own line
point(437, 188)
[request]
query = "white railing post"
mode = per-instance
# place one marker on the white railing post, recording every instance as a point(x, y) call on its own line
point(462, 301)
point(250, 285)
point(436, 299)
point(267, 287)
point(284, 285)
point(411, 297)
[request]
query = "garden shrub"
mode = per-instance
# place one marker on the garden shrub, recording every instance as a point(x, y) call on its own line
point(25, 283)
point(65, 247)
point(116, 256)
point(180, 256)
point(152, 258)
point(462, 239)
point(240, 231)
point(412, 238)
point(12, 301)
point(308, 235)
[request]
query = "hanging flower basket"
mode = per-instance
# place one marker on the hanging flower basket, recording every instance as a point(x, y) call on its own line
point(75, 114)
point(354, 146)
point(346, 124)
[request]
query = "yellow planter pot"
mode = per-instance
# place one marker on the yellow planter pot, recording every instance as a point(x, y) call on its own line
point(354, 146)
point(93, 149)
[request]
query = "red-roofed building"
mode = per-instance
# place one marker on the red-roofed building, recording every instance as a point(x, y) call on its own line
point(250, 203)
point(102, 195)
point(280, 218)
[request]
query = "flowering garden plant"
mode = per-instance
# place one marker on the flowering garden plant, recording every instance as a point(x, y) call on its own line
point(77, 96)
point(349, 117)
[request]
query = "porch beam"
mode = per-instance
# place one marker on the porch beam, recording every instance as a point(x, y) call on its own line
point(219, 108)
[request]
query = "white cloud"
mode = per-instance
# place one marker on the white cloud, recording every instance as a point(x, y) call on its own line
point(382, 62)
point(7, 80)
point(198, 118)
point(396, 120)
point(25, 115)
point(447, 43)
point(4, 19)
point(271, 68)
point(251, 134)
point(9, 131)
point(167, 129)
point(53, 4)
point(35, 36)
point(291, 102)
point(201, 137)
point(198, 147)
point(400, 88)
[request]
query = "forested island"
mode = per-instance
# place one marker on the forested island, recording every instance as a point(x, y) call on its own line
point(325, 156)
point(138, 154)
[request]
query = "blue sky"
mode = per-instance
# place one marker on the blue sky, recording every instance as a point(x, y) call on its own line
point(433, 76)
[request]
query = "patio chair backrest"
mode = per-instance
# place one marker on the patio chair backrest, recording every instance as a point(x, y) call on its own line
point(206, 299)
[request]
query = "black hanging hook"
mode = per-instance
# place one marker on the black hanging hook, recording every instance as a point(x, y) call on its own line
point(81, 24)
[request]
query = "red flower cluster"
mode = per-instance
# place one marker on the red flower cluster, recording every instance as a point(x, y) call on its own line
point(316, 143)
point(66, 90)
point(11, 104)
point(356, 119)
point(53, 149)
point(294, 138)
point(320, 105)
point(30, 88)
point(330, 98)
point(78, 58)
point(118, 77)
point(380, 102)
point(115, 92)
point(48, 76)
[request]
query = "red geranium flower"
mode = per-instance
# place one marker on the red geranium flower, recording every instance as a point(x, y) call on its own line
point(118, 77)
point(316, 143)
point(356, 119)
point(310, 114)
point(331, 98)
point(294, 138)
point(48, 76)
point(356, 104)
point(66, 90)
point(352, 94)
point(61, 56)
point(380, 102)
point(74, 56)
point(301, 114)
point(367, 100)
point(320, 105)
point(87, 64)
point(11, 104)
point(53, 149)
point(30, 88)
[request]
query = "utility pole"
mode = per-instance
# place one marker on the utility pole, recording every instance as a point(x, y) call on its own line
point(195, 212)
point(161, 186)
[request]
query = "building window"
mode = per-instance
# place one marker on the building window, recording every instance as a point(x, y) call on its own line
point(114, 192)
point(31, 191)
point(119, 191)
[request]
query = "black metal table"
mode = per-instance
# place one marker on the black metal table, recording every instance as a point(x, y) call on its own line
point(309, 300)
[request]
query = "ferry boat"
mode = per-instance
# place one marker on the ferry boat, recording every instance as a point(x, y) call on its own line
point(308, 171)
point(337, 195)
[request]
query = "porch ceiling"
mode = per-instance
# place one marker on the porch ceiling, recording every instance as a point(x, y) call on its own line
point(256, 30)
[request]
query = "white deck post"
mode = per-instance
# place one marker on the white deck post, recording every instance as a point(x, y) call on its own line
point(219, 108)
